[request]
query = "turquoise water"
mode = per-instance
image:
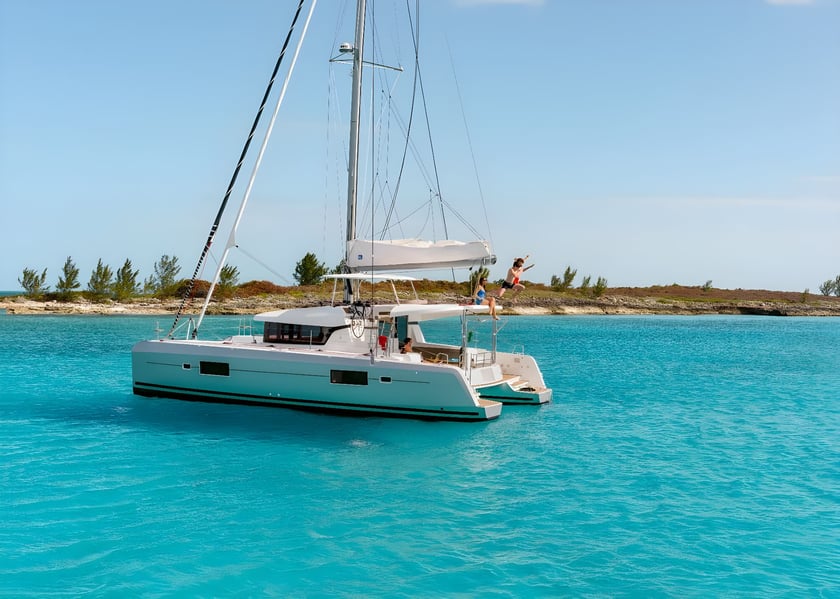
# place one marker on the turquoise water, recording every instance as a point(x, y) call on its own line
point(682, 457)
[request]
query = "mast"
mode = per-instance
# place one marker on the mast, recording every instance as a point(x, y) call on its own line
point(355, 114)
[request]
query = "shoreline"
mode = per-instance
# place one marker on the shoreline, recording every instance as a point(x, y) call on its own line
point(607, 304)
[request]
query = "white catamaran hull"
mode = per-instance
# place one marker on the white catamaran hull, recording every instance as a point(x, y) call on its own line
point(306, 379)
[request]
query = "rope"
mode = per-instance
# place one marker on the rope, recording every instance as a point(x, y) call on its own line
point(429, 131)
point(188, 294)
point(469, 141)
point(281, 278)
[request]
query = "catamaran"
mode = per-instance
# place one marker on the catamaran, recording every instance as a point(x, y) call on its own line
point(347, 357)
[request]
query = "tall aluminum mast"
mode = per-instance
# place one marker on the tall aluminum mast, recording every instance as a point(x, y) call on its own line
point(355, 115)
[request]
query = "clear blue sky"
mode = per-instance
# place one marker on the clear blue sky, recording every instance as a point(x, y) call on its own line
point(645, 141)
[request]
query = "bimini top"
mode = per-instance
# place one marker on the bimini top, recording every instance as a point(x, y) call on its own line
point(419, 312)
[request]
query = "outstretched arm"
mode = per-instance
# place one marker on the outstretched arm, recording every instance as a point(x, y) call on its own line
point(525, 260)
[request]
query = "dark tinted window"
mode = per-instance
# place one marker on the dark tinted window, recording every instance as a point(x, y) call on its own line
point(348, 377)
point(217, 368)
point(279, 332)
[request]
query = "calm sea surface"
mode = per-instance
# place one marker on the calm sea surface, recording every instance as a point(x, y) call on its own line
point(681, 457)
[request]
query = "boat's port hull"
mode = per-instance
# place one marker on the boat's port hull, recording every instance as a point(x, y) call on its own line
point(522, 382)
point(315, 406)
point(305, 380)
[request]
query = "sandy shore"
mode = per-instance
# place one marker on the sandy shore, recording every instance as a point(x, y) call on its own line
point(607, 304)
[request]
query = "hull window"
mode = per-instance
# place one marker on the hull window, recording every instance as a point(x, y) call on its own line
point(215, 368)
point(348, 377)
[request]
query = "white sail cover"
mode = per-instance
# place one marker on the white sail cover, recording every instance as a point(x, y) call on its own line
point(417, 254)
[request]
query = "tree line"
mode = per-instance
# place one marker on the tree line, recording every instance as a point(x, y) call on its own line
point(120, 284)
point(123, 283)
point(565, 283)
point(106, 283)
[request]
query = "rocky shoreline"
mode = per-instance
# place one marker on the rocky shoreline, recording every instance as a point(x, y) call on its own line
point(557, 305)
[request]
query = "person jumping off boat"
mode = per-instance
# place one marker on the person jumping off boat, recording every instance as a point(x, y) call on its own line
point(513, 275)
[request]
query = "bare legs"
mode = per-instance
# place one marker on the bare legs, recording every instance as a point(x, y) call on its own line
point(492, 303)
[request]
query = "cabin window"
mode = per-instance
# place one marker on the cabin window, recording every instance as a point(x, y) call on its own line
point(280, 332)
point(348, 377)
point(215, 368)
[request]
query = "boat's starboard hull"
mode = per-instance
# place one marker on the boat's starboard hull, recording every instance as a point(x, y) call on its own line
point(304, 380)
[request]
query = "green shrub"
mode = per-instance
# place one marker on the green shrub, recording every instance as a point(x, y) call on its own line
point(33, 283)
point(125, 285)
point(600, 287)
point(68, 282)
point(584, 285)
point(308, 271)
point(558, 284)
point(99, 285)
point(252, 288)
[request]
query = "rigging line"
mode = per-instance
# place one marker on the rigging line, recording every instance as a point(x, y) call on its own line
point(398, 223)
point(188, 294)
point(329, 154)
point(280, 277)
point(334, 131)
point(428, 179)
point(410, 114)
point(373, 41)
point(424, 171)
point(379, 137)
point(385, 144)
point(469, 140)
point(383, 155)
point(256, 167)
point(386, 189)
point(429, 133)
point(464, 221)
point(327, 160)
point(339, 22)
